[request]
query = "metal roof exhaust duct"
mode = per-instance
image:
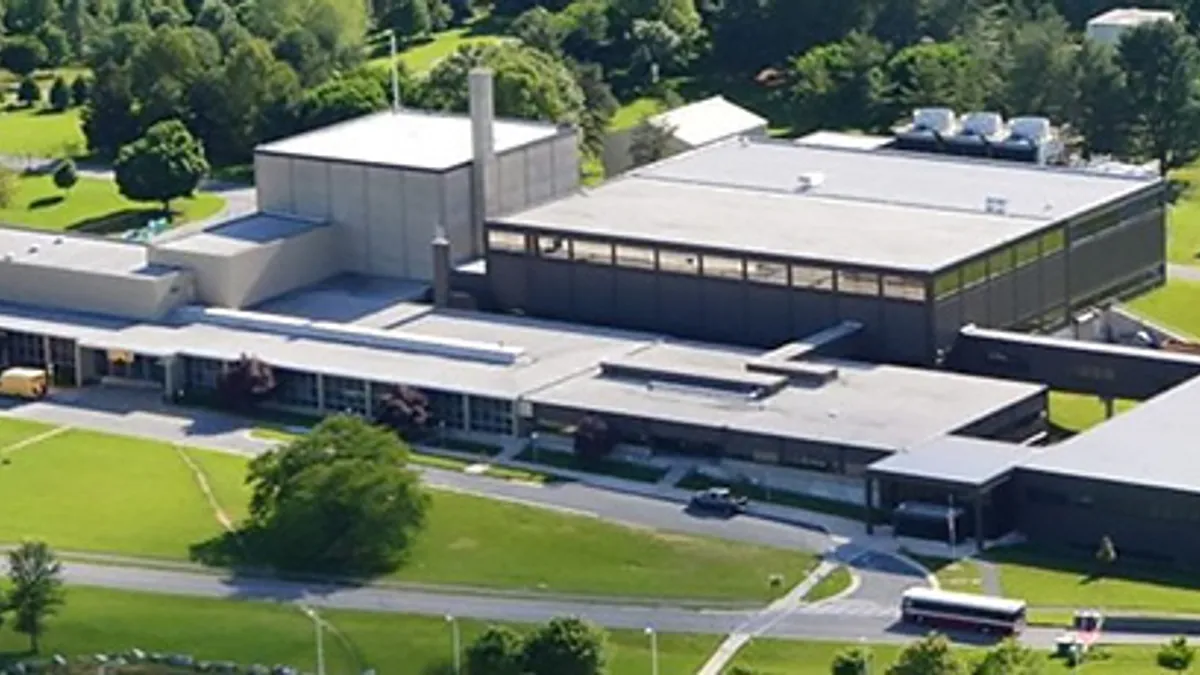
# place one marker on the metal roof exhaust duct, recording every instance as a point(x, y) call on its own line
point(441, 270)
point(483, 146)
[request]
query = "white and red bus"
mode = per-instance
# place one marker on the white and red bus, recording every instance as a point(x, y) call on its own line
point(963, 610)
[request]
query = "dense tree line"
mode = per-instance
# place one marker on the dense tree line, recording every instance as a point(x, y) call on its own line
point(238, 72)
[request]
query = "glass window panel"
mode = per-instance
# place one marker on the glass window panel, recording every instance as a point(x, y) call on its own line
point(553, 247)
point(766, 272)
point(679, 262)
point(852, 282)
point(595, 252)
point(1052, 242)
point(808, 276)
point(1000, 263)
point(974, 273)
point(722, 267)
point(504, 240)
point(639, 257)
point(946, 285)
point(1027, 252)
point(903, 287)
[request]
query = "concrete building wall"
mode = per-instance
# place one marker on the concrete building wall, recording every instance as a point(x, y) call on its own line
point(135, 296)
point(270, 269)
point(273, 183)
point(1144, 523)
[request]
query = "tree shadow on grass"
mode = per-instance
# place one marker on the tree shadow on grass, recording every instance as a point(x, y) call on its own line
point(253, 550)
point(46, 202)
point(117, 221)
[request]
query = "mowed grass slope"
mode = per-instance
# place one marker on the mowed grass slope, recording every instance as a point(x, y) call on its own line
point(81, 490)
point(1175, 306)
point(94, 206)
point(86, 491)
point(95, 621)
point(41, 133)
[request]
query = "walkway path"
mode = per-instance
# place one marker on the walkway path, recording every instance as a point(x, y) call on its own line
point(989, 577)
point(1184, 272)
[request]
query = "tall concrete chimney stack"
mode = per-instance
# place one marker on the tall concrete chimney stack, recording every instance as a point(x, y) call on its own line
point(441, 270)
point(483, 145)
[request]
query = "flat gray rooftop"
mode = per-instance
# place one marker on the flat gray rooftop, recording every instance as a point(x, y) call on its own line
point(875, 406)
point(373, 302)
point(411, 139)
point(1153, 444)
point(876, 208)
point(91, 254)
point(957, 460)
point(775, 224)
point(240, 235)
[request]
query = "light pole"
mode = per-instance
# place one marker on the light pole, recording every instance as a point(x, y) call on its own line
point(454, 640)
point(393, 64)
point(317, 623)
point(653, 649)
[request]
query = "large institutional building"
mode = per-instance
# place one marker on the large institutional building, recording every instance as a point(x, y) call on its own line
point(798, 307)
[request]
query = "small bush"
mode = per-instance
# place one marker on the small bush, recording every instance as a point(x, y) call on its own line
point(1176, 654)
point(28, 92)
point(60, 95)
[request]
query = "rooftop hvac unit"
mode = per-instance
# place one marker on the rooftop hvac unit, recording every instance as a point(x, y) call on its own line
point(996, 205)
point(983, 124)
point(809, 181)
point(936, 120)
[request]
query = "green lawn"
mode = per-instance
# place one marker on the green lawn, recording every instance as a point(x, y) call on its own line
point(96, 621)
point(778, 657)
point(633, 112)
point(81, 490)
point(421, 58)
point(608, 467)
point(1077, 412)
point(834, 583)
point(13, 431)
point(1183, 222)
point(93, 206)
point(1046, 580)
point(41, 133)
point(87, 491)
point(1175, 306)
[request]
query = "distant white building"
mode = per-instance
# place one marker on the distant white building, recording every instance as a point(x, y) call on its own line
point(1108, 27)
point(691, 126)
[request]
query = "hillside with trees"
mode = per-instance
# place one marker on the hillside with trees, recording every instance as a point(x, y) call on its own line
point(239, 72)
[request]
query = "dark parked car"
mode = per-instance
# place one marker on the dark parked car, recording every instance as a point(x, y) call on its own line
point(718, 500)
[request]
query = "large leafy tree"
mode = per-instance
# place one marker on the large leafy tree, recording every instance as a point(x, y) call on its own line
point(932, 655)
point(852, 661)
point(497, 651)
point(566, 646)
point(406, 410)
point(529, 83)
point(1162, 71)
point(842, 82)
point(337, 100)
point(1101, 114)
point(1041, 78)
point(108, 119)
point(593, 438)
point(35, 581)
point(932, 74)
point(22, 55)
point(339, 499)
point(165, 164)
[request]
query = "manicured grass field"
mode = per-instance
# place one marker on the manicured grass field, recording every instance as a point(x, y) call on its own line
point(1049, 581)
point(632, 113)
point(478, 541)
point(13, 431)
point(836, 582)
point(1077, 412)
point(93, 206)
point(86, 491)
point(777, 657)
point(1183, 222)
point(41, 133)
point(96, 621)
point(81, 490)
point(1175, 306)
point(419, 59)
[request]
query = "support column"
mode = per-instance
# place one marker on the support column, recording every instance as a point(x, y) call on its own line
point(78, 366)
point(49, 362)
point(168, 383)
point(320, 393)
point(1109, 408)
point(869, 502)
point(977, 503)
point(369, 403)
point(466, 408)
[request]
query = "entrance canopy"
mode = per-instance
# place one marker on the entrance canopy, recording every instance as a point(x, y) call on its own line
point(957, 461)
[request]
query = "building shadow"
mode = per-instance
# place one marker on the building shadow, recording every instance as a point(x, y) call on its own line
point(1088, 569)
